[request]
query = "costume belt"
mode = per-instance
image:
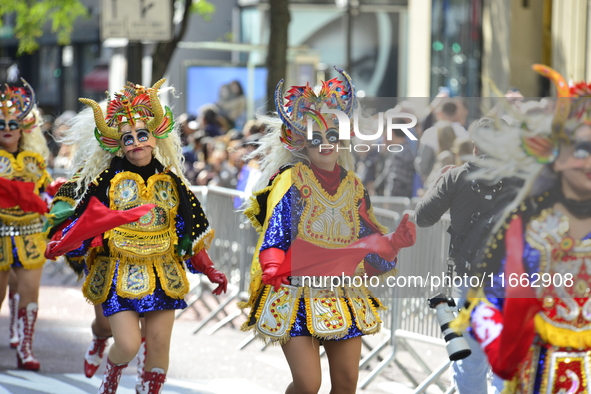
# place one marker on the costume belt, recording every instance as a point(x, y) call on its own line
point(11, 231)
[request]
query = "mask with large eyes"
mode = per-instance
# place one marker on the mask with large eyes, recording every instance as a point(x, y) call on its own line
point(142, 136)
point(582, 150)
point(332, 136)
point(12, 125)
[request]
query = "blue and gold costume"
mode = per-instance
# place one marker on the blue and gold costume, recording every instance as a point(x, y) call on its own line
point(295, 205)
point(137, 266)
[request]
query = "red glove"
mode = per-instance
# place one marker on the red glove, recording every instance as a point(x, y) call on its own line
point(405, 235)
point(271, 259)
point(55, 186)
point(202, 262)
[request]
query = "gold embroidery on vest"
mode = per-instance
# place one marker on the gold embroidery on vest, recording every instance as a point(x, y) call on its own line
point(26, 167)
point(329, 221)
point(154, 234)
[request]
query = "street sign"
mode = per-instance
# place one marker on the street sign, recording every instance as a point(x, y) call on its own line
point(136, 20)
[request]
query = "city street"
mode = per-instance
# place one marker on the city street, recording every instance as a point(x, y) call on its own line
point(200, 363)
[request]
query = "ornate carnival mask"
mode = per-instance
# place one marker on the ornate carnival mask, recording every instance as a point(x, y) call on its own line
point(16, 104)
point(134, 103)
point(303, 104)
point(573, 108)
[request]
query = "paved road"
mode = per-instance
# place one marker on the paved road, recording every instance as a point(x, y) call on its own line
point(200, 363)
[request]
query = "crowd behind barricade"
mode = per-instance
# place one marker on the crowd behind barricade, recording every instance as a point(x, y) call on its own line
point(215, 148)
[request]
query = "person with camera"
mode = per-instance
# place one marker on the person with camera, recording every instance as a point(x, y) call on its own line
point(532, 319)
point(474, 207)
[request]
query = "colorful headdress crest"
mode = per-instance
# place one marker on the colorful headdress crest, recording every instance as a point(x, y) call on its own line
point(135, 102)
point(302, 103)
point(573, 108)
point(19, 102)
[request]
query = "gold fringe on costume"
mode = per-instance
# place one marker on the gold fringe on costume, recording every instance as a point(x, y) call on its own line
point(328, 312)
point(562, 337)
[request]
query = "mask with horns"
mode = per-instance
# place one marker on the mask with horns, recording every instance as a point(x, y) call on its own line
point(134, 103)
point(303, 104)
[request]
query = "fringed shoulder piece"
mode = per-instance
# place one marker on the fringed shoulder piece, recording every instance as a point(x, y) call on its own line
point(258, 209)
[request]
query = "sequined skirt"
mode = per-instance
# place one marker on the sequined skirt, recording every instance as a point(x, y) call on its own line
point(156, 301)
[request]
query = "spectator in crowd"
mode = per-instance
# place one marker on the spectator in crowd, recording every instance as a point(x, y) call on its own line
point(446, 138)
point(210, 124)
point(52, 144)
point(233, 104)
point(396, 168)
point(188, 123)
point(447, 114)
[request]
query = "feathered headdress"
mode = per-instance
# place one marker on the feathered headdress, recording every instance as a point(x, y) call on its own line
point(573, 108)
point(302, 103)
point(135, 102)
point(18, 102)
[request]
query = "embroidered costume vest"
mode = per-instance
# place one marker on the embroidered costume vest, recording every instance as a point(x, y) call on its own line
point(331, 222)
point(141, 246)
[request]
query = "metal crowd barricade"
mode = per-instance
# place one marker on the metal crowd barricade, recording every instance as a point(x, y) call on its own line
point(392, 203)
point(231, 250)
point(410, 318)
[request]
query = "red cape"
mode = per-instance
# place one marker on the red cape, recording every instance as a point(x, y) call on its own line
point(95, 220)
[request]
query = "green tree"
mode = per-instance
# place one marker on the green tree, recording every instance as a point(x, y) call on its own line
point(30, 17)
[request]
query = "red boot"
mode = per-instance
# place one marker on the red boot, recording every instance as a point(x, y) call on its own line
point(13, 299)
point(152, 382)
point(141, 361)
point(94, 355)
point(111, 378)
point(26, 330)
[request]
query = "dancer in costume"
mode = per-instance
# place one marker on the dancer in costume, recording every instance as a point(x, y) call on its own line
point(315, 218)
point(23, 178)
point(535, 327)
point(129, 214)
point(100, 328)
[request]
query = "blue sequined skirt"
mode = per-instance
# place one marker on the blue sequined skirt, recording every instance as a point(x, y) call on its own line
point(157, 301)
